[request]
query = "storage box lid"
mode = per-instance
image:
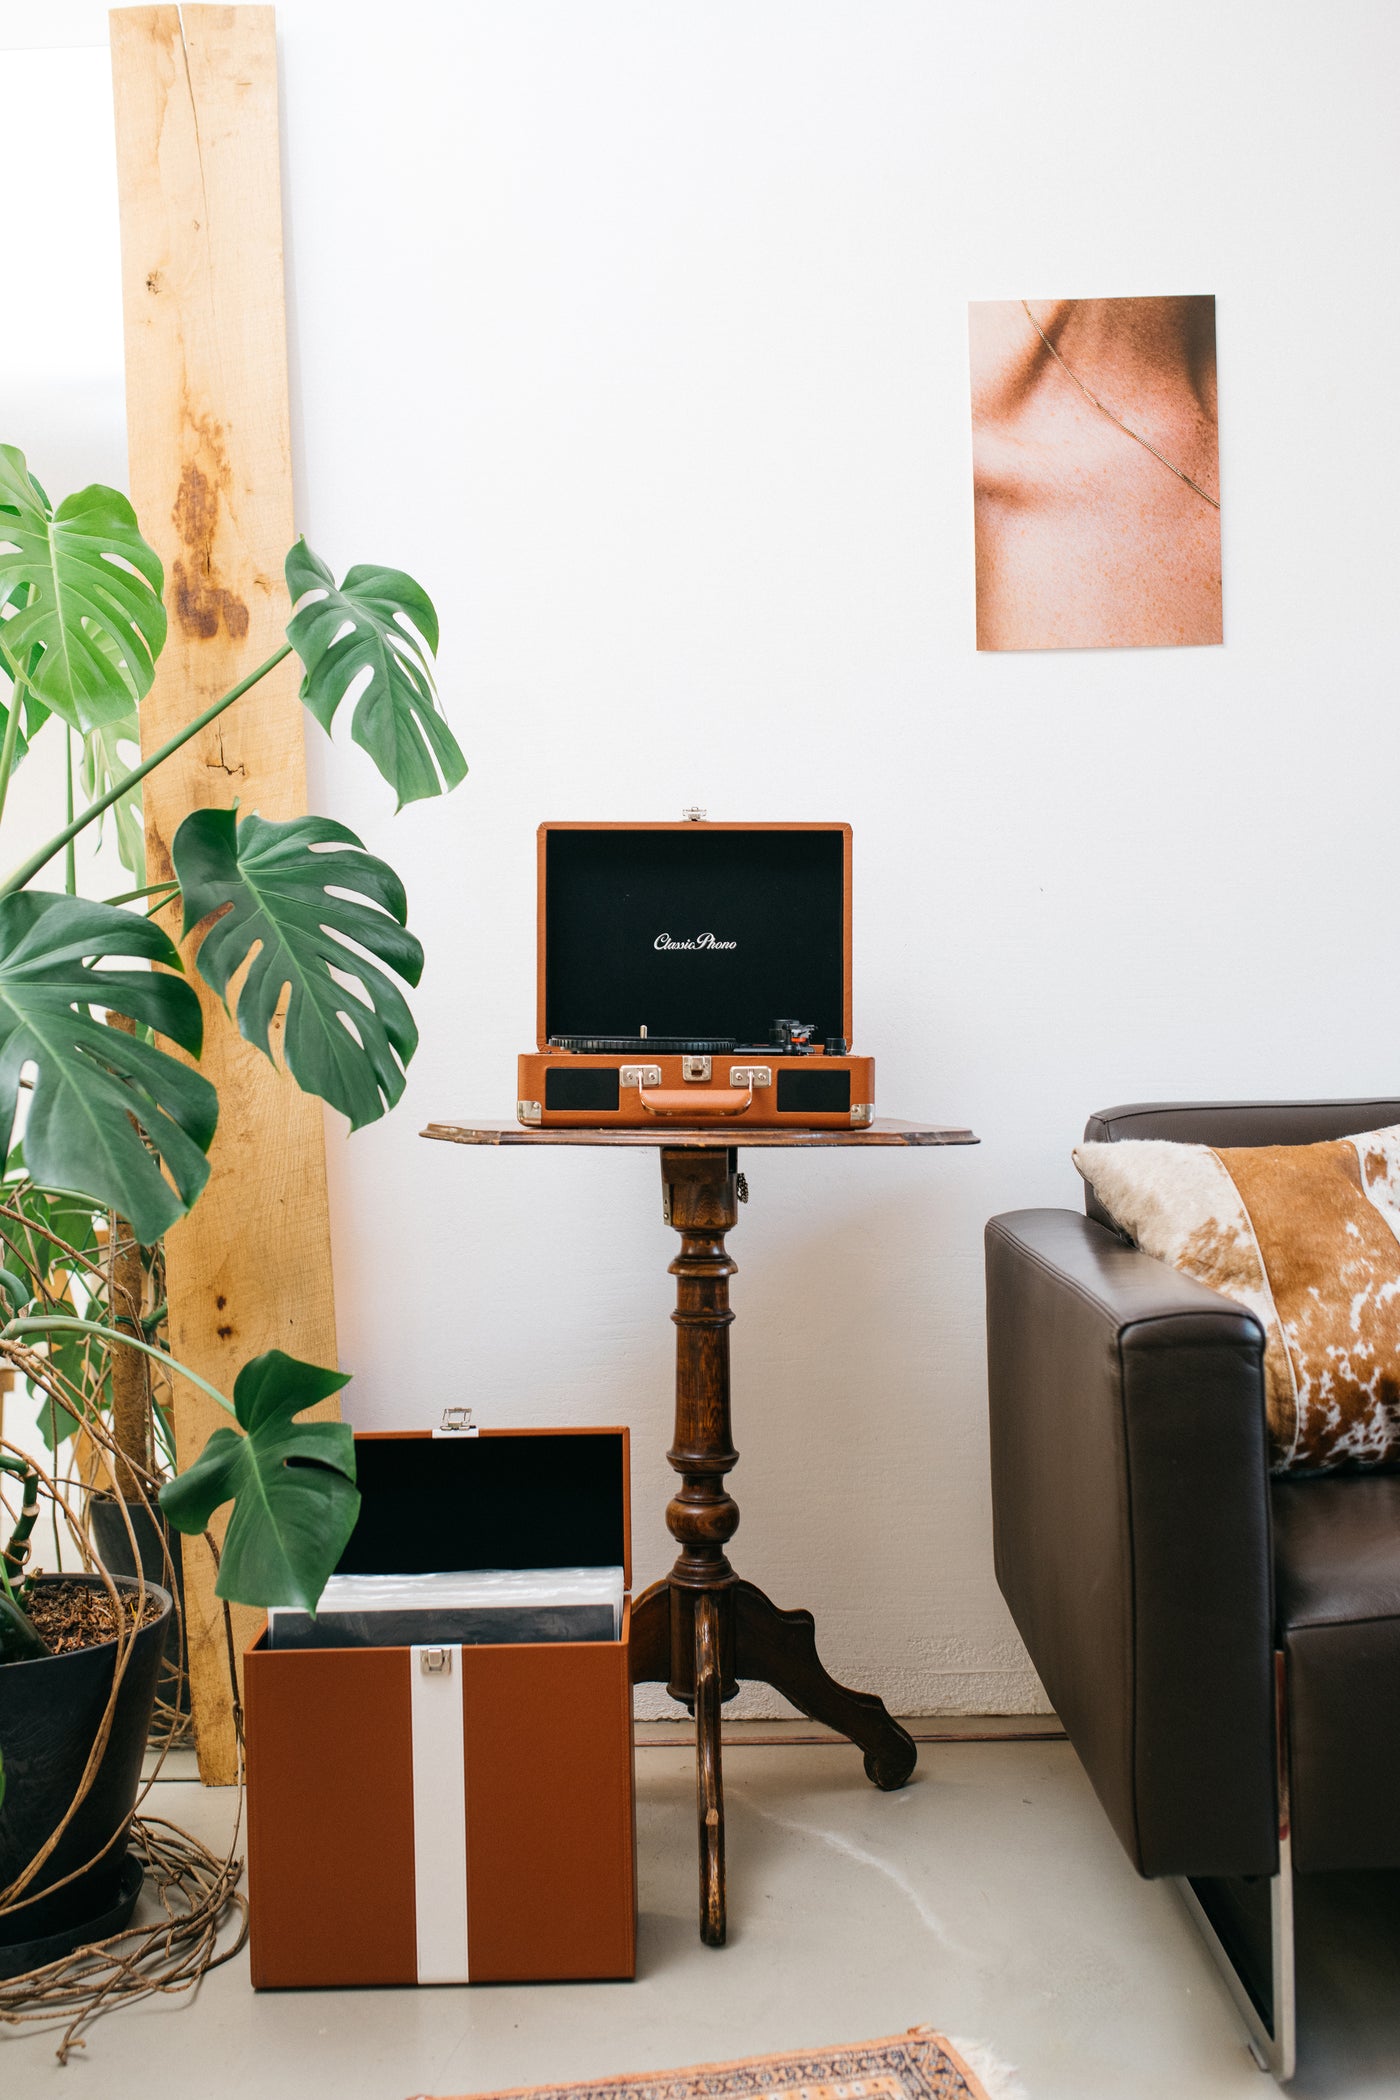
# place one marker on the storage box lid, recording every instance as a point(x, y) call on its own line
point(693, 930)
point(508, 1498)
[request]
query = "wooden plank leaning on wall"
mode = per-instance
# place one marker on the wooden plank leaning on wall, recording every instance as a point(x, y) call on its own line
point(211, 479)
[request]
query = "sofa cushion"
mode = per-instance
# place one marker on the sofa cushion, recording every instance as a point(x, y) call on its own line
point(1337, 1603)
point(1307, 1238)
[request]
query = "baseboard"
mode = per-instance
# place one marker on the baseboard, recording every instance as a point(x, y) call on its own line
point(917, 1693)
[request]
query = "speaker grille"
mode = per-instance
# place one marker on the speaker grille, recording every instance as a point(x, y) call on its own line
point(590, 1087)
point(814, 1093)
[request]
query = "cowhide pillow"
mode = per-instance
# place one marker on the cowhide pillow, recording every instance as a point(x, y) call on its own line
point(1308, 1238)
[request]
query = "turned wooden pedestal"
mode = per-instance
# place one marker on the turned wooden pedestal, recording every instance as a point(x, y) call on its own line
point(702, 1629)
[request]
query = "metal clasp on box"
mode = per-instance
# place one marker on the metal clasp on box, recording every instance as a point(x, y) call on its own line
point(639, 1075)
point(456, 1421)
point(751, 1075)
point(435, 1662)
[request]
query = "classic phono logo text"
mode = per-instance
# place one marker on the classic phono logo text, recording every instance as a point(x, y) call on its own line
point(701, 940)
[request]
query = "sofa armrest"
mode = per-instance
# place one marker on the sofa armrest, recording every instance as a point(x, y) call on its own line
point(1131, 1514)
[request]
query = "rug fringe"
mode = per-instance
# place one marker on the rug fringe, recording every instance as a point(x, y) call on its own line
point(1002, 2081)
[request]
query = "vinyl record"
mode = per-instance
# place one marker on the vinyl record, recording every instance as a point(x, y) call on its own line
point(642, 1045)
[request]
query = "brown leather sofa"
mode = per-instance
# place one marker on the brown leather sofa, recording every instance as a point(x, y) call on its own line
point(1222, 1648)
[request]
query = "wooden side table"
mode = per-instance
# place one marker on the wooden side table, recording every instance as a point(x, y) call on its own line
point(702, 1628)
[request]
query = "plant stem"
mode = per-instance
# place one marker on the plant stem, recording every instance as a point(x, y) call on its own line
point(165, 1441)
point(151, 889)
point(45, 854)
point(130, 1370)
point(16, 1551)
point(11, 743)
point(16, 1328)
point(70, 857)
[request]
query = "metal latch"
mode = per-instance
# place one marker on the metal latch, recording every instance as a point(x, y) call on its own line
point(639, 1075)
point(695, 1068)
point(751, 1075)
point(456, 1421)
point(435, 1662)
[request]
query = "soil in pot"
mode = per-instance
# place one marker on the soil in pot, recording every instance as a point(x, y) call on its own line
point(69, 1615)
point(50, 1713)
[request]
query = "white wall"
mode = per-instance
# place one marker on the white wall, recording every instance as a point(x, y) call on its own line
point(61, 395)
point(637, 332)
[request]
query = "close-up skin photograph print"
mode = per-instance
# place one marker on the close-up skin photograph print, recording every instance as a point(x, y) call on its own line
point(1096, 473)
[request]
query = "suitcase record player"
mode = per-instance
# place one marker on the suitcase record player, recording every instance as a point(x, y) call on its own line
point(665, 952)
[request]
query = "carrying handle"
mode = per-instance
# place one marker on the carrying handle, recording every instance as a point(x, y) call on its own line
point(692, 1105)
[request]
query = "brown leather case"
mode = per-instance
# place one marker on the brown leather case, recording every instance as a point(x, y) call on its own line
point(675, 1100)
point(550, 1865)
point(805, 893)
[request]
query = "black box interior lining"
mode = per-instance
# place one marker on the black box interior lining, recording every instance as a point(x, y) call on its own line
point(756, 920)
point(547, 1501)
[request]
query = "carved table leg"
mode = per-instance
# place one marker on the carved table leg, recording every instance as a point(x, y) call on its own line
point(651, 1635)
point(780, 1648)
point(709, 1784)
point(683, 1626)
point(700, 1629)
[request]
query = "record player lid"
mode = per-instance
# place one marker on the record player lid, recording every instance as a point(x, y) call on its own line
point(693, 930)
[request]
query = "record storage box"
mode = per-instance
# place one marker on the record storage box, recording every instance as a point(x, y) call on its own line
point(411, 1821)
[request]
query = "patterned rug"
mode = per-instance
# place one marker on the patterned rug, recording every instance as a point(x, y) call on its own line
point(920, 2065)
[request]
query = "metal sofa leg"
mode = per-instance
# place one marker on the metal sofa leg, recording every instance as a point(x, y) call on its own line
point(1265, 1991)
point(1271, 2021)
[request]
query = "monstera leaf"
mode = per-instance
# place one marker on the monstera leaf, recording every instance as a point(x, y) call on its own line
point(103, 764)
point(35, 1220)
point(37, 1228)
point(90, 1080)
point(276, 890)
point(361, 634)
point(292, 1486)
point(83, 590)
point(32, 714)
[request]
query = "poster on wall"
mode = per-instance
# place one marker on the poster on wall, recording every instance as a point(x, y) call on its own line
point(1096, 473)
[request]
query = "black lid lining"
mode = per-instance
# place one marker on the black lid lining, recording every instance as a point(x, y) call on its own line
point(553, 1500)
point(755, 919)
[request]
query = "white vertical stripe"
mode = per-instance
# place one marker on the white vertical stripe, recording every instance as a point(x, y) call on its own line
point(439, 1817)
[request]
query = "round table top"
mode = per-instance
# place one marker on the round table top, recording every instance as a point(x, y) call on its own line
point(885, 1130)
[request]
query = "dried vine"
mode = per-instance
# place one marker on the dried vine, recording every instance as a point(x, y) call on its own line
point(196, 1891)
point(198, 1894)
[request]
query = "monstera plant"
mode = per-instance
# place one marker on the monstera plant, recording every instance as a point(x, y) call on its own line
point(94, 1002)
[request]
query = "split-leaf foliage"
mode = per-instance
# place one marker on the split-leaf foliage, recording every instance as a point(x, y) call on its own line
point(119, 1119)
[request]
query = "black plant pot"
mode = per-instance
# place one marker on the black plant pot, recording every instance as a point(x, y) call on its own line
point(50, 1712)
point(155, 1540)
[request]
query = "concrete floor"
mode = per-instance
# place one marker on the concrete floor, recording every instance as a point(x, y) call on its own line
point(989, 1898)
